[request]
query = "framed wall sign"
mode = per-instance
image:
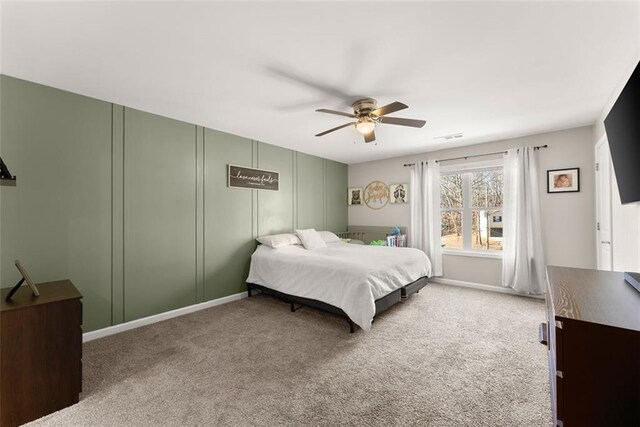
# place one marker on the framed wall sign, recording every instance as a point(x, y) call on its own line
point(256, 179)
point(376, 195)
point(563, 180)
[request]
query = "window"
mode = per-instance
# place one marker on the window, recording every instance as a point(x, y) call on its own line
point(471, 209)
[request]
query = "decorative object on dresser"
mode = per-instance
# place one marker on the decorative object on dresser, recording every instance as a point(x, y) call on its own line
point(25, 278)
point(593, 338)
point(40, 361)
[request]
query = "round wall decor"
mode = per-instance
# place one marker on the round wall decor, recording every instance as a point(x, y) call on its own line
point(376, 195)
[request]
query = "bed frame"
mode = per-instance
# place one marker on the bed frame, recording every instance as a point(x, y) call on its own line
point(368, 233)
point(382, 304)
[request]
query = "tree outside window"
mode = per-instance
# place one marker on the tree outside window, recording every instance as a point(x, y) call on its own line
point(471, 209)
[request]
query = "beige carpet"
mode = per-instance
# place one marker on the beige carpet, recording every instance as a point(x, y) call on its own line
point(446, 357)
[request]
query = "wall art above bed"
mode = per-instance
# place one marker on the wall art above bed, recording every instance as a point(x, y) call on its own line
point(399, 193)
point(354, 196)
point(258, 179)
point(376, 195)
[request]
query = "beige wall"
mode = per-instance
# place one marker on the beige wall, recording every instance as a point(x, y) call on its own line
point(568, 219)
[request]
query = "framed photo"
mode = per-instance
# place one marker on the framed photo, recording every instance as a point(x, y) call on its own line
point(26, 277)
point(563, 180)
point(355, 196)
point(399, 193)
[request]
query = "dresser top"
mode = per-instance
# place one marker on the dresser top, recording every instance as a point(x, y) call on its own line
point(595, 296)
point(49, 292)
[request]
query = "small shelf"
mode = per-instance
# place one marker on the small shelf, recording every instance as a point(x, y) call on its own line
point(9, 182)
point(6, 177)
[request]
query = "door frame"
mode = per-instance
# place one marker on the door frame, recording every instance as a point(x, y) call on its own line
point(602, 141)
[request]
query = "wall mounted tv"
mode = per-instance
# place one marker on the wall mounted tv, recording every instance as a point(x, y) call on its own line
point(623, 132)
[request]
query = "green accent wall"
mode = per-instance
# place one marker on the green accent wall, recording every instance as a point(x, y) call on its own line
point(228, 216)
point(159, 214)
point(336, 175)
point(57, 220)
point(134, 208)
point(310, 192)
point(275, 208)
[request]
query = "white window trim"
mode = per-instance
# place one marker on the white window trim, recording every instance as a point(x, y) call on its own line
point(478, 253)
point(466, 210)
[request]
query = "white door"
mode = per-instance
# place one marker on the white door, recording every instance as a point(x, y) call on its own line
point(603, 205)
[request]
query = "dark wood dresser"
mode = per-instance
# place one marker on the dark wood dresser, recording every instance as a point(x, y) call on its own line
point(593, 338)
point(41, 340)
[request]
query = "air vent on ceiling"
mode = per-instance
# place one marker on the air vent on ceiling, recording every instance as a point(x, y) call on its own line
point(450, 136)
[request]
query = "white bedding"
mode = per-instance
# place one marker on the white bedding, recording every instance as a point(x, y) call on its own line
point(350, 277)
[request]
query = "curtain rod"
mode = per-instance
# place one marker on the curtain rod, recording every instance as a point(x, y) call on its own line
point(537, 147)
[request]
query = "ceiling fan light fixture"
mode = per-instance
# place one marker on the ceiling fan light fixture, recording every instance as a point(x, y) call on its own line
point(367, 115)
point(365, 125)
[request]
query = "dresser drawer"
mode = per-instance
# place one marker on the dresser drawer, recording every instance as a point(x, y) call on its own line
point(559, 397)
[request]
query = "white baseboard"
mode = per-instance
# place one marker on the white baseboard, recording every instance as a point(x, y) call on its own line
point(490, 288)
point(111, 330)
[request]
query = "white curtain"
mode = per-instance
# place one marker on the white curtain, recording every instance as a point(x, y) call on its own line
point(425, 212)
point(523, 264)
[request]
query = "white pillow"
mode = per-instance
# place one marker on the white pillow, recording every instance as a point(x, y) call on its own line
point(328, 236)
point(278, 240)
point(311, 239)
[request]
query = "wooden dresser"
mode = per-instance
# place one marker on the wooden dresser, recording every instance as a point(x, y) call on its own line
point(593, 338)
point(41, 340)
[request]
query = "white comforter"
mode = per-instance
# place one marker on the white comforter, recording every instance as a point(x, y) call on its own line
point(350, 277)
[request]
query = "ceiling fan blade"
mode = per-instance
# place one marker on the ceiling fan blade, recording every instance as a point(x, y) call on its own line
point(370, 137)
point(388, 109)
point(336, 128)
point(402, 122)
point(339, 113)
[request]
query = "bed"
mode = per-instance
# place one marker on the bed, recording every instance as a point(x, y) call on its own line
point(354, 281)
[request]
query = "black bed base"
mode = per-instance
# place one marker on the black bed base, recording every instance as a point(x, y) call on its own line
point(382, 304)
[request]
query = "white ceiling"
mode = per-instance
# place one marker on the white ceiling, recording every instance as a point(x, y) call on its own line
point(260, 69)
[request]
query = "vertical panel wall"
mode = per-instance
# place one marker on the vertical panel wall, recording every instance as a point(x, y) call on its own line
point(275, 208)
point(57, 220)
point(134, 208)
point(117, 214)
point(228, 216)
point(310, 192)
point(160, 214)
point(336, 196)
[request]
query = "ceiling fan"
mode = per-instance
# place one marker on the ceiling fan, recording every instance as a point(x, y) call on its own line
point(367, 115)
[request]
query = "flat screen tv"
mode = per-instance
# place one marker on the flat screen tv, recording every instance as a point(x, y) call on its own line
point(623, 132)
